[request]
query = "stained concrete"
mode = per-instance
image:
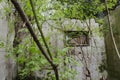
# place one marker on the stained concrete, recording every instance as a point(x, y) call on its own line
point(3, 38)
point(94, 54)
point(6, 64)
point(113, 62)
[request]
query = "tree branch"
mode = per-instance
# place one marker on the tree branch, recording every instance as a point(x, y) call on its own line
point(40, 30)
point(29, 27)
point(111, 31)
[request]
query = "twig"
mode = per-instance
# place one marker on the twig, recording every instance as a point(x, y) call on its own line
point(55, 27)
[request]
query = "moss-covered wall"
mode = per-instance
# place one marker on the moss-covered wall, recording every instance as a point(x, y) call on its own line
point(113, 62)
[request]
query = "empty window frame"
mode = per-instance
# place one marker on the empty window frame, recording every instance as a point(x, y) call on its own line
point(77, 38)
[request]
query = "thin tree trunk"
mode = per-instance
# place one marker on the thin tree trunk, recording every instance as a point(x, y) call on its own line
point(39, 28)
point(29, 27)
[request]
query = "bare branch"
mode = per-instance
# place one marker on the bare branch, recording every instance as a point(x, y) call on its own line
point(25, 19)
point(40, 30)
point(111, 31)
point(29, 27)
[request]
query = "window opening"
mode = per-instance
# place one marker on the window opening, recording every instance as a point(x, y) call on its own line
point(77, 38)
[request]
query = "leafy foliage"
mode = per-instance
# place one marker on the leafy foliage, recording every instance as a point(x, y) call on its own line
point(2, 44)
point(85, 9)
point(30, 60)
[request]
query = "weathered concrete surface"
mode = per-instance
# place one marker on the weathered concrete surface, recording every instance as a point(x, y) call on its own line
point(6, 64)
point(91, 58)
point(3, 38)
point(3, 71)
point(113, 62)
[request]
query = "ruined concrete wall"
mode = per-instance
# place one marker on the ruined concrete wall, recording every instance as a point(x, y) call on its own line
point(113, 62)
point(3, 37)
point(92, 58)
point(6, 64)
